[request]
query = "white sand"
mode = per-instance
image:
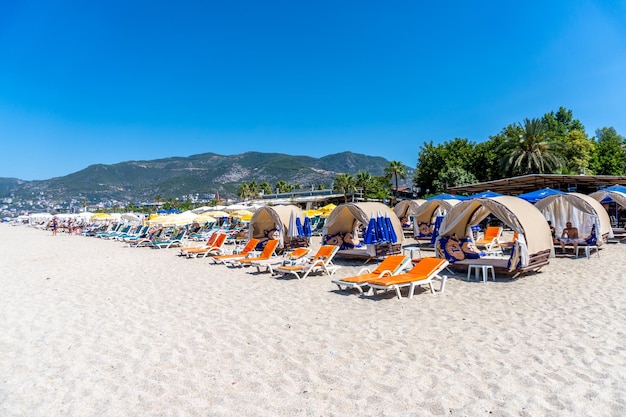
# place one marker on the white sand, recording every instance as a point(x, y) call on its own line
point(90, 328)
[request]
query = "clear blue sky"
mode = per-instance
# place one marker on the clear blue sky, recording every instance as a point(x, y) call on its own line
point(86, 82)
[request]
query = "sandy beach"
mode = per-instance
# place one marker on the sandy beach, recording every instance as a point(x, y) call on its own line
point(91, 328)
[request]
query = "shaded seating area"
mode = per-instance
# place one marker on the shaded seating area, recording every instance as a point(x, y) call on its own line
point(346, 227)
point(582, 212)
point(529, 253)
point(427, 218)
point(273, 223)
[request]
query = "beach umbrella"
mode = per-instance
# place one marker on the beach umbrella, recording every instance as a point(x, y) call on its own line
point(102, 217)
point(299, 227)
point(130, 217)
point(371, 237)
point(246, 217)
point(306, 228)
point(218, 214)
point(240, 213)
point(203, 218)
point(327, 208)
point(292, 228)
point(382, 228)
point(312, 213)
point(393, 238)
point(235, 207)
point(438, 221)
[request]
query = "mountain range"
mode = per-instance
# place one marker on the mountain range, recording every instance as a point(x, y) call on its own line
point(201, 174)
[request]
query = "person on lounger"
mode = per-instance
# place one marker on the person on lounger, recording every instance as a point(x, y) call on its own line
point(569, 236)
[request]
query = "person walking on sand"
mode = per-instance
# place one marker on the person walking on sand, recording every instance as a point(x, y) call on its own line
point(55, 225)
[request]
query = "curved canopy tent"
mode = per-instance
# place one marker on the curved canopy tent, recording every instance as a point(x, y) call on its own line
point(407, 207)
point(345, 218)
point(426, 214)
point(613, 194)
point(534, 196)
point(519, 215)
point(581, 210)
point(268, 218)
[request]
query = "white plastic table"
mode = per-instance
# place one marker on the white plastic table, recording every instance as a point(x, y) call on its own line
point(477, 269)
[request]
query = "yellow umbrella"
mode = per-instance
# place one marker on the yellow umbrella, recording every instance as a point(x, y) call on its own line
point(327, 208)
point(203, 218)
point(240, 213)
point(101, 217)
point(216, 213)
point(246, 218)
point(313, 213)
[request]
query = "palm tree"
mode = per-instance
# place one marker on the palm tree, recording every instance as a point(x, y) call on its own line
point(243, 191)
point(346, 184)
point(265, 187)
point(283, 187)
point(253, 188)
point(364, 180)
point(530, 151)
point(396, 169)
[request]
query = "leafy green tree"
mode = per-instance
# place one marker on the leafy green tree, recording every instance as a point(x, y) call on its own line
point(453, 177)
point(577, 151)
point(432, 160)
point(396, 170)
point(559, 124)
point(531, 152)
point(609, 157)
point(346, 184)
point(485, 165)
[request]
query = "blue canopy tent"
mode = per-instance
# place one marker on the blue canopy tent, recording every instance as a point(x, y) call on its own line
point(485, 194)
point(446, 196)
point(534, 196)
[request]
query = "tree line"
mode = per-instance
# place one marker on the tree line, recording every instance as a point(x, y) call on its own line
point(553, 144)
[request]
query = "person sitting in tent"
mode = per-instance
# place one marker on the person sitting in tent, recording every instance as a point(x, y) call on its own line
point(569, 236)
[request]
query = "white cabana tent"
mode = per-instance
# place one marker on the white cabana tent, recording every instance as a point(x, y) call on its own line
point(617, 195)
point(521, 216)
point(346, 218)
point(581, 210)
point(274, 217)
point(407, 207)
point(425, 215)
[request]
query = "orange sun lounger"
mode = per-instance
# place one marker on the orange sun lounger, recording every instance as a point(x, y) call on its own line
point(391, 265)
point(246, 251)
point(422, 273)
point(266, 254)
